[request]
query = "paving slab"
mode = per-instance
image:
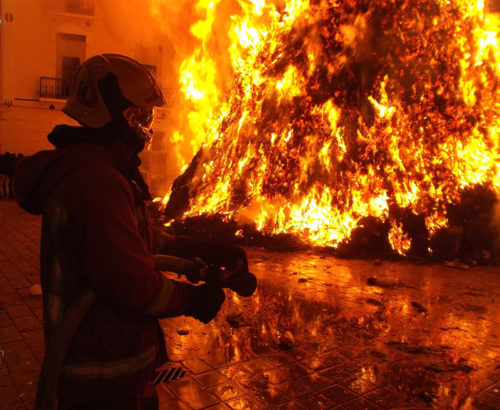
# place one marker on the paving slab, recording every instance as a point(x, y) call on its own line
point(319, 333)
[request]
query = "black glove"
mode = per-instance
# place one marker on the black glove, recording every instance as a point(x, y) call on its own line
point(232, 256)
point(204, 302)
point(211, 252)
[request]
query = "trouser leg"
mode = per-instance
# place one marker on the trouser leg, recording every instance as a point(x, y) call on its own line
point(2, 185)
point(6, 185)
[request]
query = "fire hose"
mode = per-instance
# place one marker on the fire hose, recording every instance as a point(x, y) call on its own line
point(53, 361)
point(238, 279)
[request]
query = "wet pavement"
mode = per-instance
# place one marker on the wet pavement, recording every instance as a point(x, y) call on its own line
point(327, 333)
point(319, 333)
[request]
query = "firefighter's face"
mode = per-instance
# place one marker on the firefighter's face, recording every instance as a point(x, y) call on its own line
point(140, 120)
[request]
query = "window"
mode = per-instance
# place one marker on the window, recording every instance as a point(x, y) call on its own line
point(70, 53)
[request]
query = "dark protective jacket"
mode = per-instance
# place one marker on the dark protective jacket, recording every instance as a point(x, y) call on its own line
point(95, 234)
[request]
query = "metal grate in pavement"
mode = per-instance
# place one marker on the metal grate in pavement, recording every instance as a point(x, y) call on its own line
point(171, 373)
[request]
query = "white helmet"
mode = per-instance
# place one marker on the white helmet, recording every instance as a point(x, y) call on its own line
point(105, 85)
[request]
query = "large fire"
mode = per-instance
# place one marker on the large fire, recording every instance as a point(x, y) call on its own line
point(321, 113)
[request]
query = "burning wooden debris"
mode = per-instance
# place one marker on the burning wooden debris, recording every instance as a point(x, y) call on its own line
point(368, 127)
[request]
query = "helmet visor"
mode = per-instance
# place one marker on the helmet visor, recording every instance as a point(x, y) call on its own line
point(140, 119)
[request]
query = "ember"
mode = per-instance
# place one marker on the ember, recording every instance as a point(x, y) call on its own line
point(346, 123)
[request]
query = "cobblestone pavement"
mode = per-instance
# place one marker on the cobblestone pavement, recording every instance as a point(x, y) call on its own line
point(21, 334)
point(319, 333)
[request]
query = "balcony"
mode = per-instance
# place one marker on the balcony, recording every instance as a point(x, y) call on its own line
point(84, 7)
point(51, 87)
point(76, 8)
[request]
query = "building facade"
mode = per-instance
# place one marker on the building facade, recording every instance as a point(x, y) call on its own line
point(42, 42)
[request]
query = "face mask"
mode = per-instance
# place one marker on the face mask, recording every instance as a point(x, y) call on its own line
point(140, 120)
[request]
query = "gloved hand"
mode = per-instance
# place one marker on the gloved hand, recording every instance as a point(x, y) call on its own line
point(204, 302)
point(211, 252)
point(194, 270)
point(232, 257)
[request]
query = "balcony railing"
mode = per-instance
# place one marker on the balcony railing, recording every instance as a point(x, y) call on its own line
point(85, 7)
point(54, 87)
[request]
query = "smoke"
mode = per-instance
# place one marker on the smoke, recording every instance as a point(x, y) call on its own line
point(129, 21)
point(146, 27)
point(151, 21)
point(160, 32)
point(156, 33)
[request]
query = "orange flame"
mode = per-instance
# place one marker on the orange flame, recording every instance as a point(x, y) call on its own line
point(340, 110)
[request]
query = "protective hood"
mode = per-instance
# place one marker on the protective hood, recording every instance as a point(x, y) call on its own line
point(37, 175)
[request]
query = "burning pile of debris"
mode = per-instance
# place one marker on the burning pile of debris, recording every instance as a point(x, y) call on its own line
point(365, 126)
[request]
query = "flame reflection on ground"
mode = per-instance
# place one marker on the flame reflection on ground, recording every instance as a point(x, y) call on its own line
point(428, 332)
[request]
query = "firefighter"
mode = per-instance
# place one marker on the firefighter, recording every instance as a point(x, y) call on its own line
point(101, 293)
